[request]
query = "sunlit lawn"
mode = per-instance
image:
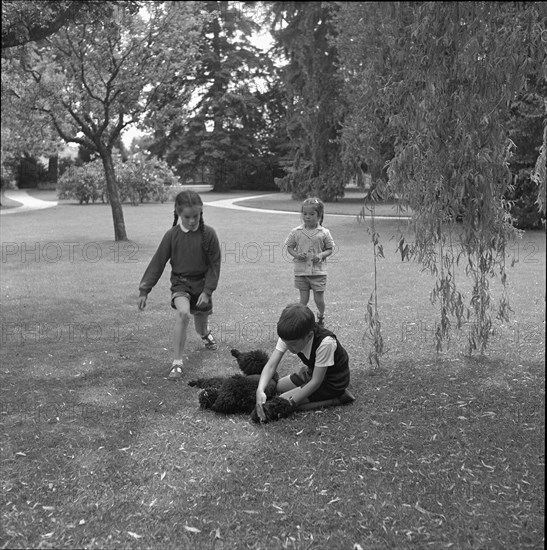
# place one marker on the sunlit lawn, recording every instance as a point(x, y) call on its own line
point(100, 450)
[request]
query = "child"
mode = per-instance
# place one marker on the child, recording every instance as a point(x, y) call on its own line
point(325, 376)
point(310, 245)
point(194, 253)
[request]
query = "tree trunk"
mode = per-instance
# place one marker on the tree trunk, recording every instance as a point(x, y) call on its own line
point(113, 195)
point(53, 168)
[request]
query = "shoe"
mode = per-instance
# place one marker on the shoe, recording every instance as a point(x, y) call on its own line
point(346, 398)
point(175, 372)
point(321, 321)
point(210, 342)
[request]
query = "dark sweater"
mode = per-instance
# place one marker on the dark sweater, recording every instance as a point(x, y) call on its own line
point(337, 376)
point(187, 257)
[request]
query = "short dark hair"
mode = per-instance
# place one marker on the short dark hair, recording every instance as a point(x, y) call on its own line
point(295, 322)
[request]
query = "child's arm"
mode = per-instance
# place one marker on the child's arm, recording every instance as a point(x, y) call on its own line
point(214, 262)
point(295, 254)
point(324, 358)
point(292, 247)
point(327, 245)
point(154, 270)
point(301, 394)
point(322, 255)
point(267, 374)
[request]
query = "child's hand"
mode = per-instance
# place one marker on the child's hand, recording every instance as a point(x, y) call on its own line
point(142, 302)
point(317, 258)
point(260, 400)
point(203, 300)
point(302, 256)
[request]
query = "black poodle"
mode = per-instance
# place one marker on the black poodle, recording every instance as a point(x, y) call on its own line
point(237, 393)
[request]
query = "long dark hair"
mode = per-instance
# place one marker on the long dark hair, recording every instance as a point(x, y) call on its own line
point(191, 199)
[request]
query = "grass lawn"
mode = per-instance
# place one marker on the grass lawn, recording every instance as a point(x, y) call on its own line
point(99, 450)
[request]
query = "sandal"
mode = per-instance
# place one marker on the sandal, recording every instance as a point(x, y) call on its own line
point(175, 373)
point(210, 342)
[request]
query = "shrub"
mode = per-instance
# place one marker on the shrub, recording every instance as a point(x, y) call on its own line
point(139, 180)
point(145, 179)
point(83, 183)
point(523, 199)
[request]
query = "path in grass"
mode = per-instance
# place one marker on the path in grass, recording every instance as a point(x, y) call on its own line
point(349, 206)
point(99, 450)
point(20, 201)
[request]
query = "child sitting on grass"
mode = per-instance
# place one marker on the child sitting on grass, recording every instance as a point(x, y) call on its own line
point(325, 376)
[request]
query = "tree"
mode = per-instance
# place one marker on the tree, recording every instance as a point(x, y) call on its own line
point(24, 22)
point(212, 123)
point(94, 78)
point(436, 79)
point(303, 32)
point(24, 132)
point(28, 132)
point(525, 128)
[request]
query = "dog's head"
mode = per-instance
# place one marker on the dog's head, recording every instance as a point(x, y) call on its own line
point(250, 362)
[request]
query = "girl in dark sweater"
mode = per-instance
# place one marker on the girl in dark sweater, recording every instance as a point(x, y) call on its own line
point(194, 253)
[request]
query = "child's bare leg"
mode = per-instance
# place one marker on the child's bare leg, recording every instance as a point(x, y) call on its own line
point(319, 298)
point(182, 305)
point(202, 328)
point(201, 324)
point(304, 297)
point(285, 384)
point(286, 388)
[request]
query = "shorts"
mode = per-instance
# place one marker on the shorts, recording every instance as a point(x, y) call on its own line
point(321, 394)
point(313, 282)
point(191, 289)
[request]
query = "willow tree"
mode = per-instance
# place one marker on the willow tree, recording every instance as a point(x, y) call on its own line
point(96, 76)
point(435, 80)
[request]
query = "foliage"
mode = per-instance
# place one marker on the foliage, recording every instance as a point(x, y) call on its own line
point(26, 169)
point(213, 119)
point(314, 103)
point(139, 179)
point(435, 79)
point(24, 22)
point(83, 183)
point(374, 325)
point(526, 126)
point(26, 129)
point(523, 200)
point(143, 179)
point(539, 176)
point(94, 78)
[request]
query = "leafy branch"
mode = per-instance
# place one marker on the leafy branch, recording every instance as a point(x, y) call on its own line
point(373, 329)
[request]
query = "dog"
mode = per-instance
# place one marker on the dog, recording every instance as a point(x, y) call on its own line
point(236, 394)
